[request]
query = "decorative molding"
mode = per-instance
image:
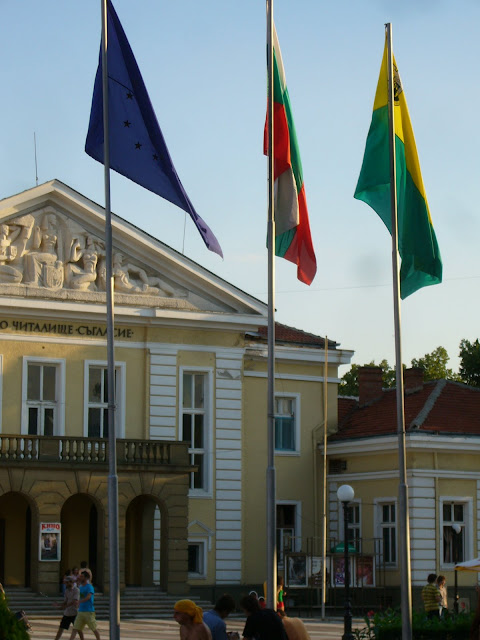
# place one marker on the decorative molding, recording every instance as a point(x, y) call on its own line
point(300, 353)
point(290, 376)
point(426, 442)
point(228, 464)
point(424, 473)
point(163, 396)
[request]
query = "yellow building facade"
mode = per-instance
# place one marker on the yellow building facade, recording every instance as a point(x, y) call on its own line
point(442, 447)
point(190, 380)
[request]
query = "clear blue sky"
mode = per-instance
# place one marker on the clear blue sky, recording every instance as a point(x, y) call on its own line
point(204, 67)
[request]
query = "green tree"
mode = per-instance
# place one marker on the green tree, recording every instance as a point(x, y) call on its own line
point(349, 382)
point(470, 362)
point(434, 365)
point(10, 627)
point(388, 375)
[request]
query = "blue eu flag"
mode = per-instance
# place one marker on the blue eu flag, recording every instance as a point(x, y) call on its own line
point(137, 147)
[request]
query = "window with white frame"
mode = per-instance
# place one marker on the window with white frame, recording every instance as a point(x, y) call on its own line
point(354, 524)
point(454, 530)
point(195, 425)
point(286, 423)
point(288, 530)
point(96, 399)
point(387, 530)
point(197, 558)
point(42, 397)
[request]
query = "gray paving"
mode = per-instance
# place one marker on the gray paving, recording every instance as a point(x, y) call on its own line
point(46, 628)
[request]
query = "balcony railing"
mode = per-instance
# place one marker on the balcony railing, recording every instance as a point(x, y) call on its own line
point(63, 449)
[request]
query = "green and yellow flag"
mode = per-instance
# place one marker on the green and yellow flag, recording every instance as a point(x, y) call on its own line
point(417, 244)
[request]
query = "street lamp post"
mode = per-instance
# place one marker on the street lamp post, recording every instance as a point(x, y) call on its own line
point(345, 494)
point(456, 530)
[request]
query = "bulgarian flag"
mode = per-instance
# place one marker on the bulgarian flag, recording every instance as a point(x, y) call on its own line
point(293, 240)
point(417, 243)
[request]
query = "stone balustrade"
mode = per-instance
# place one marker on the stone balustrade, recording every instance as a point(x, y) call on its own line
point(21, 449)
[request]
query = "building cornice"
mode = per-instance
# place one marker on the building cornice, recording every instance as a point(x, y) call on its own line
point(413, 441)
point(89, 312)
point(298, 353)
point(290, 376)
point(342, 478)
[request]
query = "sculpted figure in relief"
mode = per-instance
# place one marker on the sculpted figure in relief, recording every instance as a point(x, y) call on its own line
point(61, 253)
point(14, 235)
point(43, 268)
point(81, 270)
point(128, 278)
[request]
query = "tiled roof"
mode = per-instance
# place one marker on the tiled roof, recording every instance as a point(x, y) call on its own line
point(290, 335)
point(440, 406)
point(346, 406)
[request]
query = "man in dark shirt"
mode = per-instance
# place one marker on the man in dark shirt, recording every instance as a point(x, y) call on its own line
point(261, 624)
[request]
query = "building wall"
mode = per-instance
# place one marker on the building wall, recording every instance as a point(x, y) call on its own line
point(296, 475)
point(154, 359)
point(433, 477)
point(171, 317)
point(75, 352)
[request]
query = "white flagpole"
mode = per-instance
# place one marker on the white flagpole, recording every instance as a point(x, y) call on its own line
point(114, 614)
point(270, 476)
point(324, 514)
point(403, 519)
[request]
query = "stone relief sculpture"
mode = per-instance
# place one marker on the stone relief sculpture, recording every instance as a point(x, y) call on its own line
point(53, 252)
point(81, 270)
point(128, 278)
point(43, 266)
point(13, 240)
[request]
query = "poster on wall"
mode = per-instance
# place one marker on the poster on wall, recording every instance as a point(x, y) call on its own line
point(315, 571)
point(296, 569)
point(338, 571)
point(50, 541)
point(365, 571)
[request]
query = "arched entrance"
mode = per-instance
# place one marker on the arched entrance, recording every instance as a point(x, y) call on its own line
point(15, 540)
point(145, 555)
point(82, 524)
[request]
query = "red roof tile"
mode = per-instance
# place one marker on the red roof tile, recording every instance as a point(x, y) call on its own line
point(440, 406)
point(345, 406)
point(290, 335)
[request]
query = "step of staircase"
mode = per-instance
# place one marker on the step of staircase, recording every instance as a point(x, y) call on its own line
point(135, 602)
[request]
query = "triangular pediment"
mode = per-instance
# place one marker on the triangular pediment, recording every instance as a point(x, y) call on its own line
point(52, 247)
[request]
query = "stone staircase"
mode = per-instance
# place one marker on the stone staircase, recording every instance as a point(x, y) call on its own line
point(135, 602)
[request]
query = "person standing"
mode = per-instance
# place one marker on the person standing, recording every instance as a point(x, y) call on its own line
point(86, 609)
point(76, 575)
point(215, 618)
point(280, 594)
point(69, 606)
point(190, 619)
point(442, 587)
point(431, 596)
point(84, 567)
point(261, 624)
point(68, 573)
